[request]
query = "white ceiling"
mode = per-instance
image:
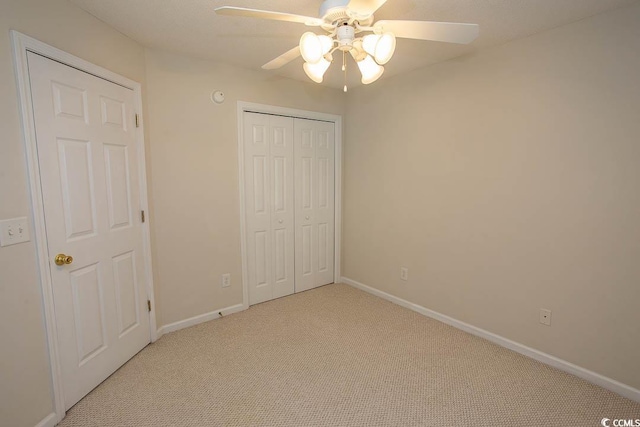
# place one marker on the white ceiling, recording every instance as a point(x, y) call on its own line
point(193, 28)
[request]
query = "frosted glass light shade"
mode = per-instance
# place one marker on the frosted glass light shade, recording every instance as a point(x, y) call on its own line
point(313, 47)
point(310, 47)
point(370, 70)
point(381, 47)
point(369, 43)
point(385, 48)
point(327, 43)
point(316, 71)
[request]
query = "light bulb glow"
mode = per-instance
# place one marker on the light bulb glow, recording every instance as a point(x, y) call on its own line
point(370, 70)
point(311, 47)
point(381, 47)
point(369, 43)
point(326, 44)
point(316, 71)
point(385, 47)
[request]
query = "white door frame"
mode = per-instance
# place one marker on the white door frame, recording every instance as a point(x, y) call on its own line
point(21, 45)
point(301, 114)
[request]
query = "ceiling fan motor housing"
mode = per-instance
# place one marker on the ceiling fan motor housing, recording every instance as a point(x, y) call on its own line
point(345, 36)
point(335, 12)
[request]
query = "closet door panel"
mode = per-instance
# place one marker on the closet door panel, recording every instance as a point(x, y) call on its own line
point(306, 202)
point(269, 216)
point(324, 213)
point(257, 200)
point(314, 199)
point(282, 213)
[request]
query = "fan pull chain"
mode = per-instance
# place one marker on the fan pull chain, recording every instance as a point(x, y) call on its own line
point(344, 68)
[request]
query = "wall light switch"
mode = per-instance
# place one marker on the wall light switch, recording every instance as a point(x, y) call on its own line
point(14, 231)
point(404, 273)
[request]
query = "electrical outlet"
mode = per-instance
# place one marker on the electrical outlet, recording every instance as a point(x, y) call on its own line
point(14, 231)
point(545, 316)
point(226, 280)
point(404, 273)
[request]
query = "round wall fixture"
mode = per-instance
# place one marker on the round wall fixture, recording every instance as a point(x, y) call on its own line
point(217, 97)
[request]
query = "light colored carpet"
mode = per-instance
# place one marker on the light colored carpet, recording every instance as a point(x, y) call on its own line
point(336, 356)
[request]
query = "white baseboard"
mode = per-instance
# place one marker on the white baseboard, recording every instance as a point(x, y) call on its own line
point(176, 326)
point(593, 377)
point(48, 421)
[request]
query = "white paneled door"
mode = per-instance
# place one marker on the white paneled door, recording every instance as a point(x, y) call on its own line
point(268, 168)
point(88, 162)
point(289, 204)
point(314, 203)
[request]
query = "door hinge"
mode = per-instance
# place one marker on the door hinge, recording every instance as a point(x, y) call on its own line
point(137, 121)
point(149, 304)
point(142, 215)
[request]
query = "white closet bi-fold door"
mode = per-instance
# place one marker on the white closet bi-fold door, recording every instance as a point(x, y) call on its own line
point(269, 174)
point(314, 203)
point(289, 204)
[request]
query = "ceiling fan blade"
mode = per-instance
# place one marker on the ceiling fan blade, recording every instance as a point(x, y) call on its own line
point(283, 59)
point(450, 32)
point(365, 7)
point(266, 14)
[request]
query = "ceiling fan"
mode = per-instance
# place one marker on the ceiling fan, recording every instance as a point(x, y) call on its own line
point(344, 21)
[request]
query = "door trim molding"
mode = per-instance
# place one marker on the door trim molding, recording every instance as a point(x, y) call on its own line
point(302, 114)
point(21, 45)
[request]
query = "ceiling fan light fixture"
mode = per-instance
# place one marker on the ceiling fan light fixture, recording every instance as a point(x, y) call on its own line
point(369, 43)
point(358, 53)
point(380, 46)
point(385, 48)
point(327, 43)
point(316, 71)
point(370, 70)
point(342, 20)
point(311, 47)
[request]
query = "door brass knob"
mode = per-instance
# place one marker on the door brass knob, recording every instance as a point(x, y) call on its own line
point(62, 259)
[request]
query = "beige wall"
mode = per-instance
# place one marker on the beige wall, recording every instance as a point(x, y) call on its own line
point(25, 396)
point(194, 182)
point(507, 182)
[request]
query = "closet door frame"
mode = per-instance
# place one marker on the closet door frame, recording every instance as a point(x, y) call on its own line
point(248, 107)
